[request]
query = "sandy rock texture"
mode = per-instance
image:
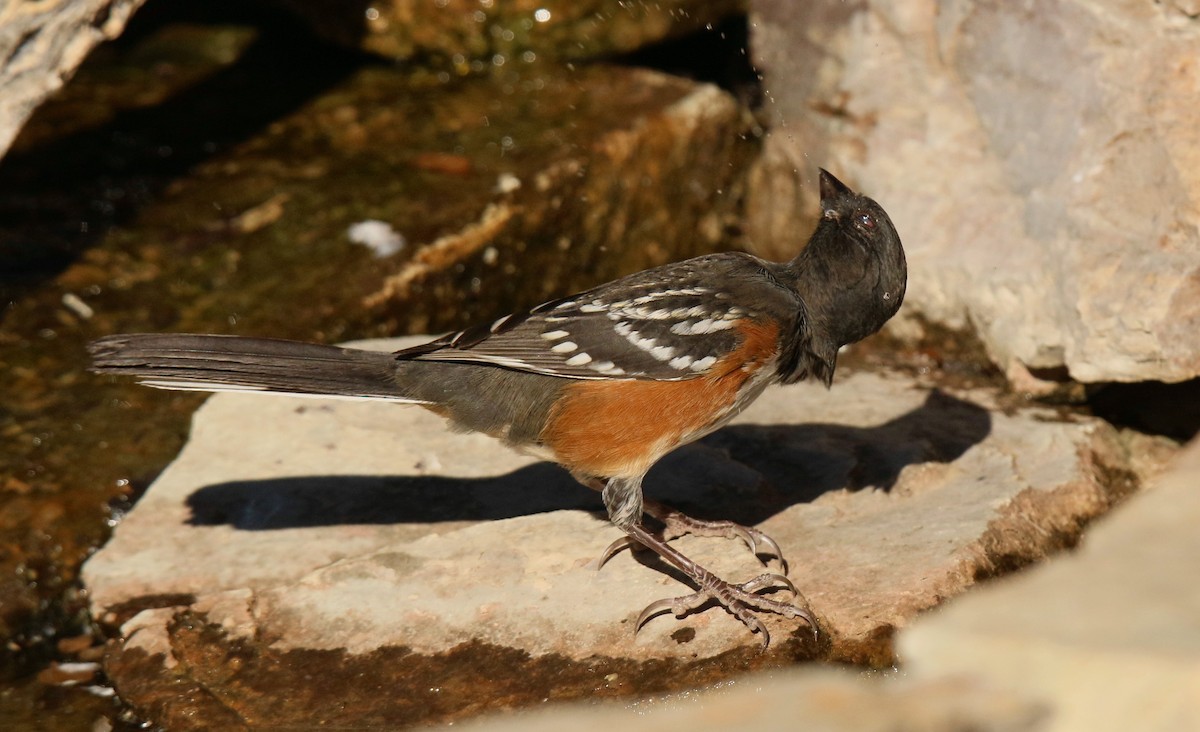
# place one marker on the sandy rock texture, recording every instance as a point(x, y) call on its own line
point(325, 551)
point(1041, 163)
point(1108, 637)
point(42, 43)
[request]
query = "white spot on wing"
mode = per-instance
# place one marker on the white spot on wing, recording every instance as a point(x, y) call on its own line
point(579, 359)
point(662, 353)
point(681, 362)
point(695, 311)
point(643, 343)
point(608, 368)
point(564, 347)
point(554, 335)
point(702, 364)
point(496, 326)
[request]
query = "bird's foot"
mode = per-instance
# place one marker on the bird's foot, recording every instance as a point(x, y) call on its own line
point(743, 601)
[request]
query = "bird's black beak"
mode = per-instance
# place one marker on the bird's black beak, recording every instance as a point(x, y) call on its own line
point(831, 189)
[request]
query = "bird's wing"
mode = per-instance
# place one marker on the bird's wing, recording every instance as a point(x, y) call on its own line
point(665, 324)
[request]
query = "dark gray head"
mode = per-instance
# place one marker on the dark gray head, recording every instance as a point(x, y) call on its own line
point(852, 274)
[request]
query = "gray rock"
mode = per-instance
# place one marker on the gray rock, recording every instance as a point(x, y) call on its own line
point(1040, 164)
point(41, 44)
point(1108, 638)
point(296, 547)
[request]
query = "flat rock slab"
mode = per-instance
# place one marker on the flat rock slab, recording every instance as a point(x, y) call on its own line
point(333, 562)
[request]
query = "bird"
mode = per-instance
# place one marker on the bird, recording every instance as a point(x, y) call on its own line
point(607, 381)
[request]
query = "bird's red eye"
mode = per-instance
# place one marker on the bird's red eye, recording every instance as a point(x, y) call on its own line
point(865, 220)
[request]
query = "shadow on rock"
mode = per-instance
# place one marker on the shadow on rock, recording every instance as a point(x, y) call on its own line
point(798, 463)
point(331, 500)
point(746, 473)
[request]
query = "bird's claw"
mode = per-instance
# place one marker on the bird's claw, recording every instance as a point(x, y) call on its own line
point(756, 540)
point(615, 548)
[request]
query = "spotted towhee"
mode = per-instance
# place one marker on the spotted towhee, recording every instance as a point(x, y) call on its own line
point(607, 381)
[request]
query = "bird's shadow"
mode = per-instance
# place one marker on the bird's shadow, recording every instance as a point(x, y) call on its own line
point(745, 473)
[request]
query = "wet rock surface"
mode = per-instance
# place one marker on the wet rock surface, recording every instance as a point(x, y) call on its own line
point(296, 547)
point(1041, 165)
point(465, 36)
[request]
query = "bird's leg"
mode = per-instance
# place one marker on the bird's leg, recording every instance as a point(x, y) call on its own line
point(623, 499)
point(677, 524)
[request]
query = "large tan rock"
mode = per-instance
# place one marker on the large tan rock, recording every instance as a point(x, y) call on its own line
point(1042, 164)
point(1107, 638)
point(826, 700)
point(308, 545)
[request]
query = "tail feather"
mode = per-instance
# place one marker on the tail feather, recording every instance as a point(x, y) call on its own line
point(234, 363)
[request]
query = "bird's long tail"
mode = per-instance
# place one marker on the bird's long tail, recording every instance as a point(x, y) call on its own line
point(234, 363)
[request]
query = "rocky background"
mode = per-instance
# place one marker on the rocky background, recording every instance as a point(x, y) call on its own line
point(334, 171)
